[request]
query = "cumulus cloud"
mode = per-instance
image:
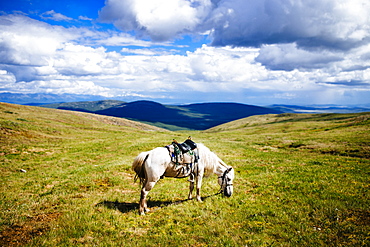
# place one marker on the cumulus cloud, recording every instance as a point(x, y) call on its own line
point(330, 24)
point(315, 23)
point(160, 19)
point(47, 60)
point(290, 57)
point(20, 46)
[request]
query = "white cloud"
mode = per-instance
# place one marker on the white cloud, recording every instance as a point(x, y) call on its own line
point(79, 60)
point(6, 80)
point(52, 15)
point(227, 65)
point(25, 41)
point(341, 24)
point(120, 39)
point(84, 18)
point(289, 57)
point(149, 52)
point(330, 24)
point(161, 19)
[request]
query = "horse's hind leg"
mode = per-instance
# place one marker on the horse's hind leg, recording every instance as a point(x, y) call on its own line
point(143, 207)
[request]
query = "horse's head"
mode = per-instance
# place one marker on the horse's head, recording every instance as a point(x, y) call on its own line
point(226, 182)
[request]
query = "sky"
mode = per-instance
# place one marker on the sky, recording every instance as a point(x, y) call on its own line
point(261, 52)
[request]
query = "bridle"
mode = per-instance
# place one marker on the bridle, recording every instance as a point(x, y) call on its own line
point(224, 178)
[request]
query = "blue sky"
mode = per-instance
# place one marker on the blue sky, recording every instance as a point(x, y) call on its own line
point(188, 51)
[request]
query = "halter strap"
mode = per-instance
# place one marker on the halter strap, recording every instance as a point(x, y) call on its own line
point(223, 178)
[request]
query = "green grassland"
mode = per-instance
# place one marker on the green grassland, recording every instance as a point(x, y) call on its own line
point(66, 180)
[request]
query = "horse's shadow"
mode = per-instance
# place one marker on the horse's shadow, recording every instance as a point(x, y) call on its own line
point(125, 207)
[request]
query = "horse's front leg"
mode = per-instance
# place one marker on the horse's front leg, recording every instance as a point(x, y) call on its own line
point(191, 187)
point(199, 185)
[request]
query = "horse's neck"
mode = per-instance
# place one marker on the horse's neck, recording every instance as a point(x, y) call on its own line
point(220, 168)
point(212, 163)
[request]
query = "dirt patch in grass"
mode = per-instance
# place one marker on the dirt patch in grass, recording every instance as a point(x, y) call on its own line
point(349, 228)
point(6, 131)
point(358, 217)
point(20, 234)
point(358, 153)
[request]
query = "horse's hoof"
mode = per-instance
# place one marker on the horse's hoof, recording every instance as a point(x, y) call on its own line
point(146, 210)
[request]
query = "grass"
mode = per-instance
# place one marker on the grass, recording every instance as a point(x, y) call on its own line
point(301, 180)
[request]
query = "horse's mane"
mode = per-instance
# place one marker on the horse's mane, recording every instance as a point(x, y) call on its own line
point(210, 160)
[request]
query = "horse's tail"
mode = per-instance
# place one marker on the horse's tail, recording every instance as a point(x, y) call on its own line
point(139, 167)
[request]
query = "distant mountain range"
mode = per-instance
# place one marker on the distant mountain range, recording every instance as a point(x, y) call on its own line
point(49, 98)
point(44, 98)
point(174, 117)
point(320, 109)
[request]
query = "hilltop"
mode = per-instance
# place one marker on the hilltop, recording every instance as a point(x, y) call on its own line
point(270, 119)
point(328, 133)
point(174, 117)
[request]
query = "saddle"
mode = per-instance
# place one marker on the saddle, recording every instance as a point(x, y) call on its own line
point(186, 146)
point(183, 153)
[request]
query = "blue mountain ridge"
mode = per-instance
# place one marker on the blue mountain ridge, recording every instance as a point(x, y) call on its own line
point(199, 116)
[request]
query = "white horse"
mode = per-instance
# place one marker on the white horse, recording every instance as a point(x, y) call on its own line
point(152, 165)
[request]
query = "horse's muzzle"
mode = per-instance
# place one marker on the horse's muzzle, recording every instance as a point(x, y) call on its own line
point(228, 191)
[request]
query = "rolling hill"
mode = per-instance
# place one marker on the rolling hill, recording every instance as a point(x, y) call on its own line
point(66, 180)
point(174, 117)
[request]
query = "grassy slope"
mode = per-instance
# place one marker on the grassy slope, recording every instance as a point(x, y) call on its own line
point(302, 180)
